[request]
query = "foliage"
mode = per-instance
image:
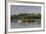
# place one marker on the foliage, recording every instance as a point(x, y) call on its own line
point(26, 16)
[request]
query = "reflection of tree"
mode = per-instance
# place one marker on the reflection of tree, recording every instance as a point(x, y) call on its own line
point(26, 16)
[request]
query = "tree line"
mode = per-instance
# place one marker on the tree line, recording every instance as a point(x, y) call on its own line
point(26, 16)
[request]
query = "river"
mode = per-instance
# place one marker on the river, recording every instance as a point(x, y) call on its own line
point(26, 25)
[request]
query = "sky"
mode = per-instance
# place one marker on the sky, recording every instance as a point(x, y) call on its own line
point(17, 9)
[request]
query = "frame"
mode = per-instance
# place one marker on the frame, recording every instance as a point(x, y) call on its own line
point(25, 29)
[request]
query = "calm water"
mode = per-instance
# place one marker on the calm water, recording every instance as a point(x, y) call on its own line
point(26, 25)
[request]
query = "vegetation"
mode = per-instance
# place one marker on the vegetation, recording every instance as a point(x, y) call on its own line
point(26, 16)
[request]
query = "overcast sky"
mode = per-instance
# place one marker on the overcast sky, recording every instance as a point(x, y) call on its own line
point(17, 9)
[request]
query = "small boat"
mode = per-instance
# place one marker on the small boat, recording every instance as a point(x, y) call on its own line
point(19, 21)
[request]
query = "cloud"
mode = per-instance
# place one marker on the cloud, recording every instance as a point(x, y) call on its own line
point(17, 9)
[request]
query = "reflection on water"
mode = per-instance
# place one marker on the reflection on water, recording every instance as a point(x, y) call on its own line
point(26, 25)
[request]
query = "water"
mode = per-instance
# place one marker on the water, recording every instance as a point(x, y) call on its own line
point(26, 25)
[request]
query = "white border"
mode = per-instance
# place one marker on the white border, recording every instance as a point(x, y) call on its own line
point(25, 29)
